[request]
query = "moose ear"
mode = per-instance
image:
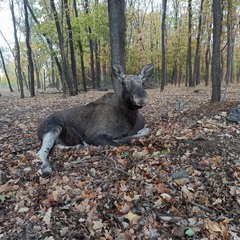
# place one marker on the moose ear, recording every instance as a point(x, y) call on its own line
point(146, 72)
point(118, 72)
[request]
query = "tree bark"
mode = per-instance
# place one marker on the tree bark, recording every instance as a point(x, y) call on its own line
point(91, 48)
point(18, 58)
point(164, 72)
point(117, 24)
point(98, 65)
point(72, 51)
point(207, 60)
point(229, 65)
point(49, 42)
point(196, 80)
point(65, 72)
point(5, 71)
point(81, 52)
point(189, 80)
point(29, 51)
point(216, 71)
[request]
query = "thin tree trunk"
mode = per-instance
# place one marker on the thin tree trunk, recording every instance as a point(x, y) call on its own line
point(80, 47)
point(207, 60)
point(29, 51)
point(49, 42)
point(228, 76)
point(18, 59)
point(216, 71)
point(98, 66)
point(91, 48)
point(164, 72)
point(53, 73)
point(37, 74)
point(5, 71)
point(197, 53)
point(65, 71)
point(176, 50)
point(189, 80)
point(72, 51)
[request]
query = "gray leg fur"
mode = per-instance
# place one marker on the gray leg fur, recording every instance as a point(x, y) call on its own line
point(141, 133)
point(49, 139)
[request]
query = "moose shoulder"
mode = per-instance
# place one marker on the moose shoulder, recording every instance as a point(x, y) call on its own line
point(112, 119)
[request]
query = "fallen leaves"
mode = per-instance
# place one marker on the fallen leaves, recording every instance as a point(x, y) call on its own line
point(180, 182)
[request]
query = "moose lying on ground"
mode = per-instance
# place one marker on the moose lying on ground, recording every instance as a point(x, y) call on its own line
point(112, 119)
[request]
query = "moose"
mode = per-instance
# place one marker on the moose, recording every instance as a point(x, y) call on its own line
point(113, 119)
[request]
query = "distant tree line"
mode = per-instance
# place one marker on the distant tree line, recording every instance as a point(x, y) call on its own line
point(72, 43)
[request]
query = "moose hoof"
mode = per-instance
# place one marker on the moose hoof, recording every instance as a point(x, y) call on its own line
point(47, 170)
point(144, 132)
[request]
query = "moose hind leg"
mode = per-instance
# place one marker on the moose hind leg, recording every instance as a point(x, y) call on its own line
point(49, 139)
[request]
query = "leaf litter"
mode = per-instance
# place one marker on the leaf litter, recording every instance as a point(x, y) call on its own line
point(181, 182)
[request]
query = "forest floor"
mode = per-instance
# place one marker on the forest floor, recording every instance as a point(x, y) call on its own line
point(181, 182)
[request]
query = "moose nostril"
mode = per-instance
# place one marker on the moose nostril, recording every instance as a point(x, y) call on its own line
point(140, 102)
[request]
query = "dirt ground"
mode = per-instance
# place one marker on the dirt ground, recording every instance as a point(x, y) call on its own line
point(181, 182)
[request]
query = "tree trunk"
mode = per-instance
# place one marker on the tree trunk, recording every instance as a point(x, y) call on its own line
point(117, 24)
point(207, 61)
point(29, 51)
point(37, 74)
point(164, 75)
point(197, 53)
point(18, 59)
point(228, 75)
point(91, 47)
point(98, 65)
point(65, 72)
point(189, 80)
point(80, 47)
point(5, 71)
point(216, 55)
point(49, 42)
point(53, 73)
point(72, 52)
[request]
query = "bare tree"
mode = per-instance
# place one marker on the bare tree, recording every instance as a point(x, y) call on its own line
point(189, 81)
point(164, 71)
point(196, 80)
point(230, 40)
point(18, 59)
point(81, 52)
point(29, 51)
point(216, 71)
point(91, 45)
point(65, 71)
point(49, 42)
point(207, 60)
point(72, 52)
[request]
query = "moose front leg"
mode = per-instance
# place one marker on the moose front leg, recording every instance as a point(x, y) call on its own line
point(141, 133)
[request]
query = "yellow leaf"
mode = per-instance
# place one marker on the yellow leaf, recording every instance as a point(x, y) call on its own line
point(133, 218)
point(213, 226)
